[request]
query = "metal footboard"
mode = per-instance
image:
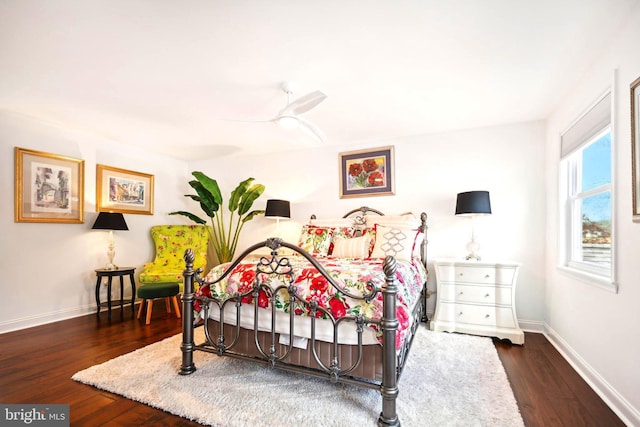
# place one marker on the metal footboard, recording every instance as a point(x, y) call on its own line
point(332, 369)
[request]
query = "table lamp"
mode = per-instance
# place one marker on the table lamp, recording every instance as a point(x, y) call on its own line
point(278, 209)
point(110, 221)
point(473, 203)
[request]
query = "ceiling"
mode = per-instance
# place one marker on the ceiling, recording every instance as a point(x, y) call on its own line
point(161, 74)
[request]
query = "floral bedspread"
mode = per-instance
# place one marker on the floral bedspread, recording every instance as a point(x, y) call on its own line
point(354, 276)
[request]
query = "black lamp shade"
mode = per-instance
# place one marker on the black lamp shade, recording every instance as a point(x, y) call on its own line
point(110, 221)
point(473, 203)
point(278, 209)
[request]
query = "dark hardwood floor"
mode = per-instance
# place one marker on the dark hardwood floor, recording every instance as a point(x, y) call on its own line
point(36, 366)
point(548, 390)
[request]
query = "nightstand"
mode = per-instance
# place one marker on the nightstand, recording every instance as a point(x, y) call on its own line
point(110, 274)
point(477, 297)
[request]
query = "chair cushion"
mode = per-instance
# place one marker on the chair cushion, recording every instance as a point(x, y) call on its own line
point(161, 276)
point(158, 290)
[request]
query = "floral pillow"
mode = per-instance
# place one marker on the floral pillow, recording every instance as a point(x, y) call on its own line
point(341, 233)
point(371, 233)
point(316, 240)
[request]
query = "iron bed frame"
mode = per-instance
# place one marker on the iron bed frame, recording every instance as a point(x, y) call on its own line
point(392, 362)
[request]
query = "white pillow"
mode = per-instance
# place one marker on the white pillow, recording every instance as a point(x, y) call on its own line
point(332, 222)
point(399, 221)
point(395, 242)
point(356, 247)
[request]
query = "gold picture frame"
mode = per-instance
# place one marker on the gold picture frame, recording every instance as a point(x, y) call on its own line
point(124, 191)
point(635, 147)
point(48, 187)
point(365, 173)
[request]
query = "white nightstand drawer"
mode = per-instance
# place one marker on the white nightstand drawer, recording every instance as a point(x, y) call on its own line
point(477, 298)
point(479, 274)
point(493, 295)
point(501, 317)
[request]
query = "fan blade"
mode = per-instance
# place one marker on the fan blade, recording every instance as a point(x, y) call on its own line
point(310, 129)
point(304, 103)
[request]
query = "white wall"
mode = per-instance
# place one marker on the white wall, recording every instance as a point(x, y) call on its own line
point(47, 268)
point(600, 330)
point(430, 170)
point(60, 259)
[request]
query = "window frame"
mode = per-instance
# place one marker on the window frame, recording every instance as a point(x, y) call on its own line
point(575, 197)
point(571, 196)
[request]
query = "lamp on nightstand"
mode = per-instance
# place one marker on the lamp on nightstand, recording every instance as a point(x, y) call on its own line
point(278, 209)
point(110, 221)
point(473, 203)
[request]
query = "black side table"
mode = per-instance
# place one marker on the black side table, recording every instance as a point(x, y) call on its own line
point(120, 272)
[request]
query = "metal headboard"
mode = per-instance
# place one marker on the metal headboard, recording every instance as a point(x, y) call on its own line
point(359, 221)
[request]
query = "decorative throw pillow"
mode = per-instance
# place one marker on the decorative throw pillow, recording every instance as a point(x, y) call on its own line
point(356, 247)
point(371, 233)
point(341, 233)
point(396, 242)
point(315, 240)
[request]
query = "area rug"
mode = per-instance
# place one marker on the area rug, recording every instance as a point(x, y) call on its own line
point(449, 380)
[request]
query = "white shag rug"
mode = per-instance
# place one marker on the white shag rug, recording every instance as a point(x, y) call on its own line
point(449, 380)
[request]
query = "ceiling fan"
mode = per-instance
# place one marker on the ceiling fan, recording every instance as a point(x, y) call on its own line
point(289, 116)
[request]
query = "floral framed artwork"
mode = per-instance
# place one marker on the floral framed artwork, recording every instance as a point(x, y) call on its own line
point(124, 191)
point(48, 187)
point(367, 173)
point(635, 147)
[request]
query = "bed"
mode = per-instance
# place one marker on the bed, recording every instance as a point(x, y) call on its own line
point(344, 303)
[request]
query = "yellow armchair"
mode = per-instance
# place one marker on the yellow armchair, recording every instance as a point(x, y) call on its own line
point(171, 242)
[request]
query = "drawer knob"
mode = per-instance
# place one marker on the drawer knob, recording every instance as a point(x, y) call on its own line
point(461, 293)
point(486, 276)
point(462, 274)
point(460, 314)
point(486, 316)
point(487, 296)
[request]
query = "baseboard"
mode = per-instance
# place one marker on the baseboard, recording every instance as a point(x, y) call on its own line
point(618, 404)
point(56, 316)
point(531, 326)
point(44, 318)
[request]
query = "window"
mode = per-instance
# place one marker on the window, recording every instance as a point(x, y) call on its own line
point(586, 191)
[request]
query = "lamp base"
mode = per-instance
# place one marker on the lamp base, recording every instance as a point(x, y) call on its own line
point(474, 251)
point(111, 253)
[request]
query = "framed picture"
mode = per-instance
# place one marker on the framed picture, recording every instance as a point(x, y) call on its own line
point(124, 191)
point(48, 187)
point(635, 147)
point(366, 173)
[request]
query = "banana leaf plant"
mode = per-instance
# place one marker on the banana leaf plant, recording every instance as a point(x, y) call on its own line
point(224, 233)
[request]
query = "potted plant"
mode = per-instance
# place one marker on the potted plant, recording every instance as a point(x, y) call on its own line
point(224, 233)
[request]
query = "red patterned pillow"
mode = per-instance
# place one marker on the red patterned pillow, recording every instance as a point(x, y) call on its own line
point(341, 233)
point(316, 240)
point(371, 232)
